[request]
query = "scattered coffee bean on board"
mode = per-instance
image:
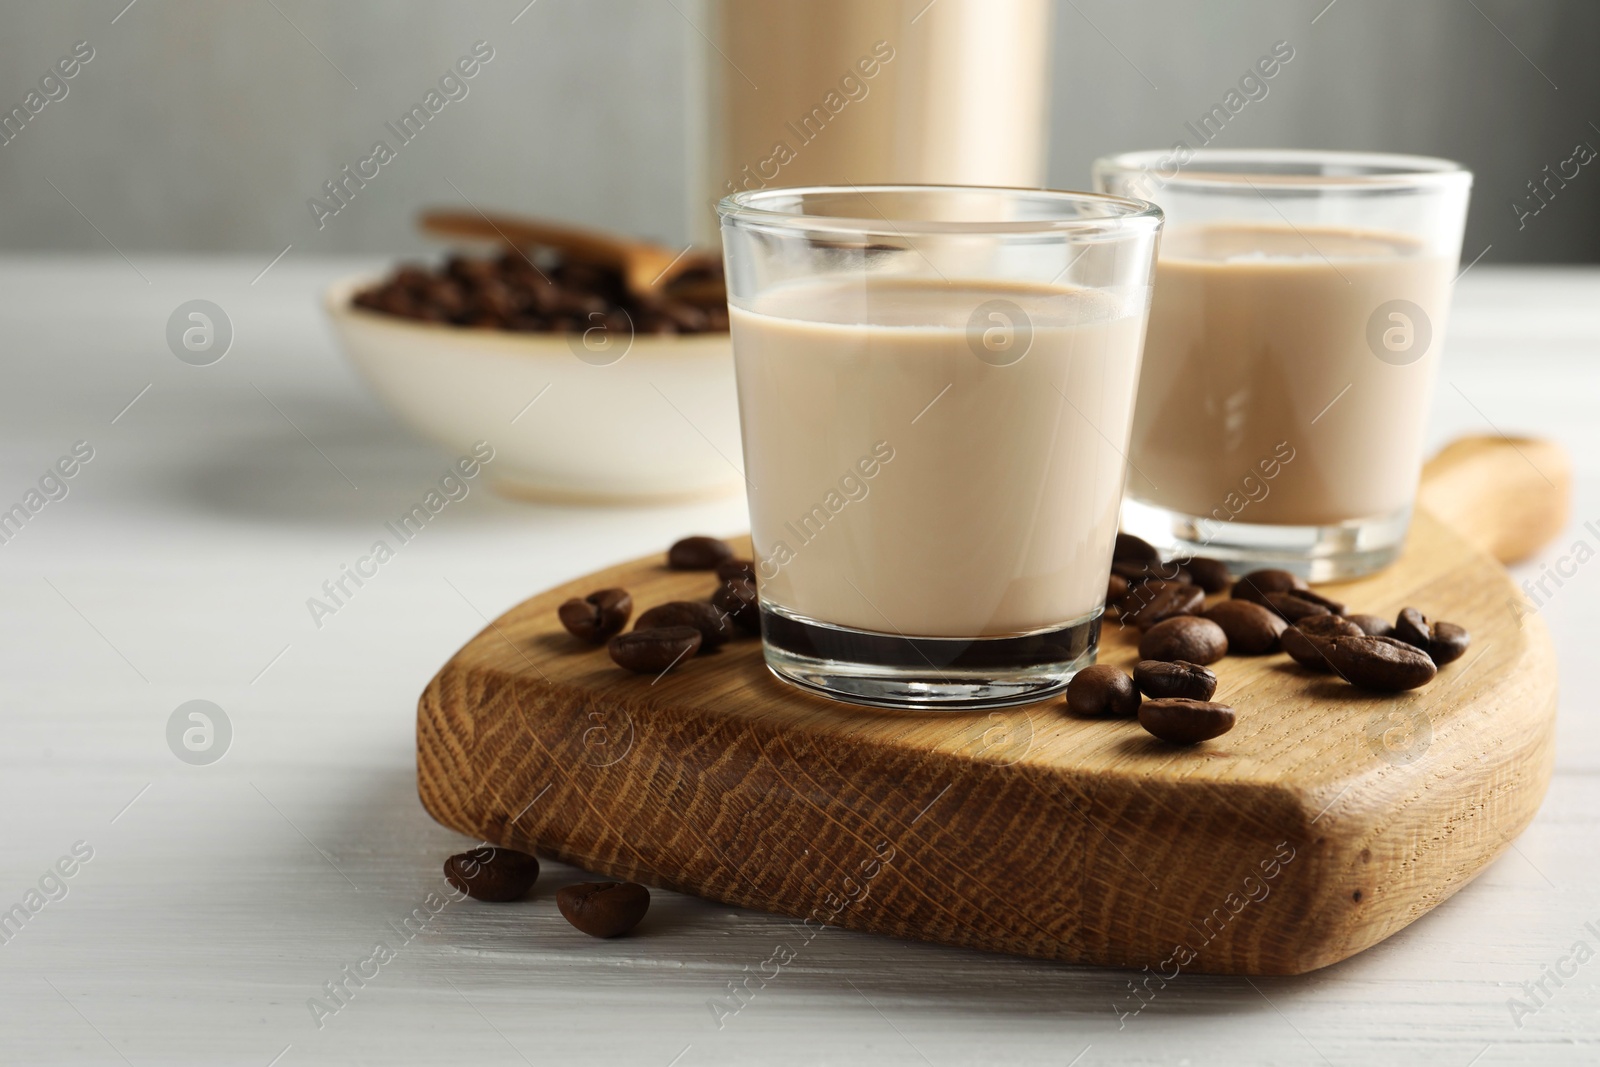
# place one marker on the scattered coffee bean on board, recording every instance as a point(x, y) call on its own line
point(1372, 625)
point(597, 617)
point(603, 909)
point(1257, 584)
point(712, 624)
point(1209, 574)
point(1163, 680)
point(655, 650)
point(729, 569)
point(1102, 690)
point(495, 875)
point(1293, 607)
point(1148, 604)
point(1186, 637)
point(1380, 663)
point(698, 553)
point(736, 599)
point(1185, 722)
point(1116, 589)
point(1307, 640)
point(1252, 629)
point(1134, 550)
point(1444, 642)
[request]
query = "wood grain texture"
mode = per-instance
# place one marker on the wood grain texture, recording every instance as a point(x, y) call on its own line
point(1507, 495)
point(1325, 821)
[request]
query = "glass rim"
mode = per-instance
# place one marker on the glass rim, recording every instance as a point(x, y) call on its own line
point(745, 208)
point(1365, 171)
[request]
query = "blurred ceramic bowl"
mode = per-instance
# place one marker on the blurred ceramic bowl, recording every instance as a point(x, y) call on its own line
point(572, 417)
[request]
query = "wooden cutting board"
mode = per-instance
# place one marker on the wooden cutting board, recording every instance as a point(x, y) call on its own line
point(1325, 821)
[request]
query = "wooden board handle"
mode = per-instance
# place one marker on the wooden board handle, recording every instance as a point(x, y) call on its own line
point(1507, 495)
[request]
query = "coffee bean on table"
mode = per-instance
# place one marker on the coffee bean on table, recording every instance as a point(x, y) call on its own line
point(1102, 690)
point(1185, 637)
point(737, 600)
point(655, 650)
point(1293, 607)
point(496, 875)
point(736, 568)
point(598, 616)
point(1148, 604)
point(1161, 680)
point(712, 624)
point(1372, 625)
point(1252, 629)
point(1380, 663)
point(1306, 641)
point(603, 909)
point(1134, 549)
point(1116, 588)
point(698, 553)
point(1185, 722)
point(1257, 584)
point(1209, 574)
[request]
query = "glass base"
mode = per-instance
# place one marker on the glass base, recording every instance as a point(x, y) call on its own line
point(926, 673)
point(1333, 553)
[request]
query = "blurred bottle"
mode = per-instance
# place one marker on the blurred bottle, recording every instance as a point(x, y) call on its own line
point(827, 91)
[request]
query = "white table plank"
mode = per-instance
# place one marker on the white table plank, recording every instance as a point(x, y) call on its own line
point(225, 896)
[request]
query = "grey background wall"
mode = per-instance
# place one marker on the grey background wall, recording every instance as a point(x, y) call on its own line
point(203, 125)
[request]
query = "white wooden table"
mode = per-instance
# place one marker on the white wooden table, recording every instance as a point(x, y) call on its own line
point(220, 898)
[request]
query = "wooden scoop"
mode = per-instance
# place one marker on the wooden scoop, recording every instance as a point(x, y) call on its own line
point(646, 268)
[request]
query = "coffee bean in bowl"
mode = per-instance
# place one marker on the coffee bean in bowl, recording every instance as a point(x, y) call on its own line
point(698, 553)
point(1163, 680)
point(1185, 637)
point(603, 909)
point(1185, 722)
point(655, 650)
point(597, 617)
point(495, 875)
point(1102, 690)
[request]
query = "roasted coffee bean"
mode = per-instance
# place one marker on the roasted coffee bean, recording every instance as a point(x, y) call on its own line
point(1380, 663)
point(656, 650)
point(712, 624)
point(1102, 690)
point(736, 599)
point(1449, 643)
point(1335, 607)
point(1186, 637)
point(1134, 550)
point(1136, 571)
point(1444, 642)
point(736, 568)
point(1209, 574)
point(1257, 584)
point(698, 553)
point(1116, 588)
point(1252, 629)
point(1306, 641)
point(1293, 607)
point(1163, 680)
point(1185, 722)
point(1146, 605)
point(509, 292)
point(603, 909)
point(1372, 625)
point(497, 875)
point(598, 616)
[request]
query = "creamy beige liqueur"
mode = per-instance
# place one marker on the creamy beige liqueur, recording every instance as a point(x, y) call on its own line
point(1254, 332)
point(900, 484)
